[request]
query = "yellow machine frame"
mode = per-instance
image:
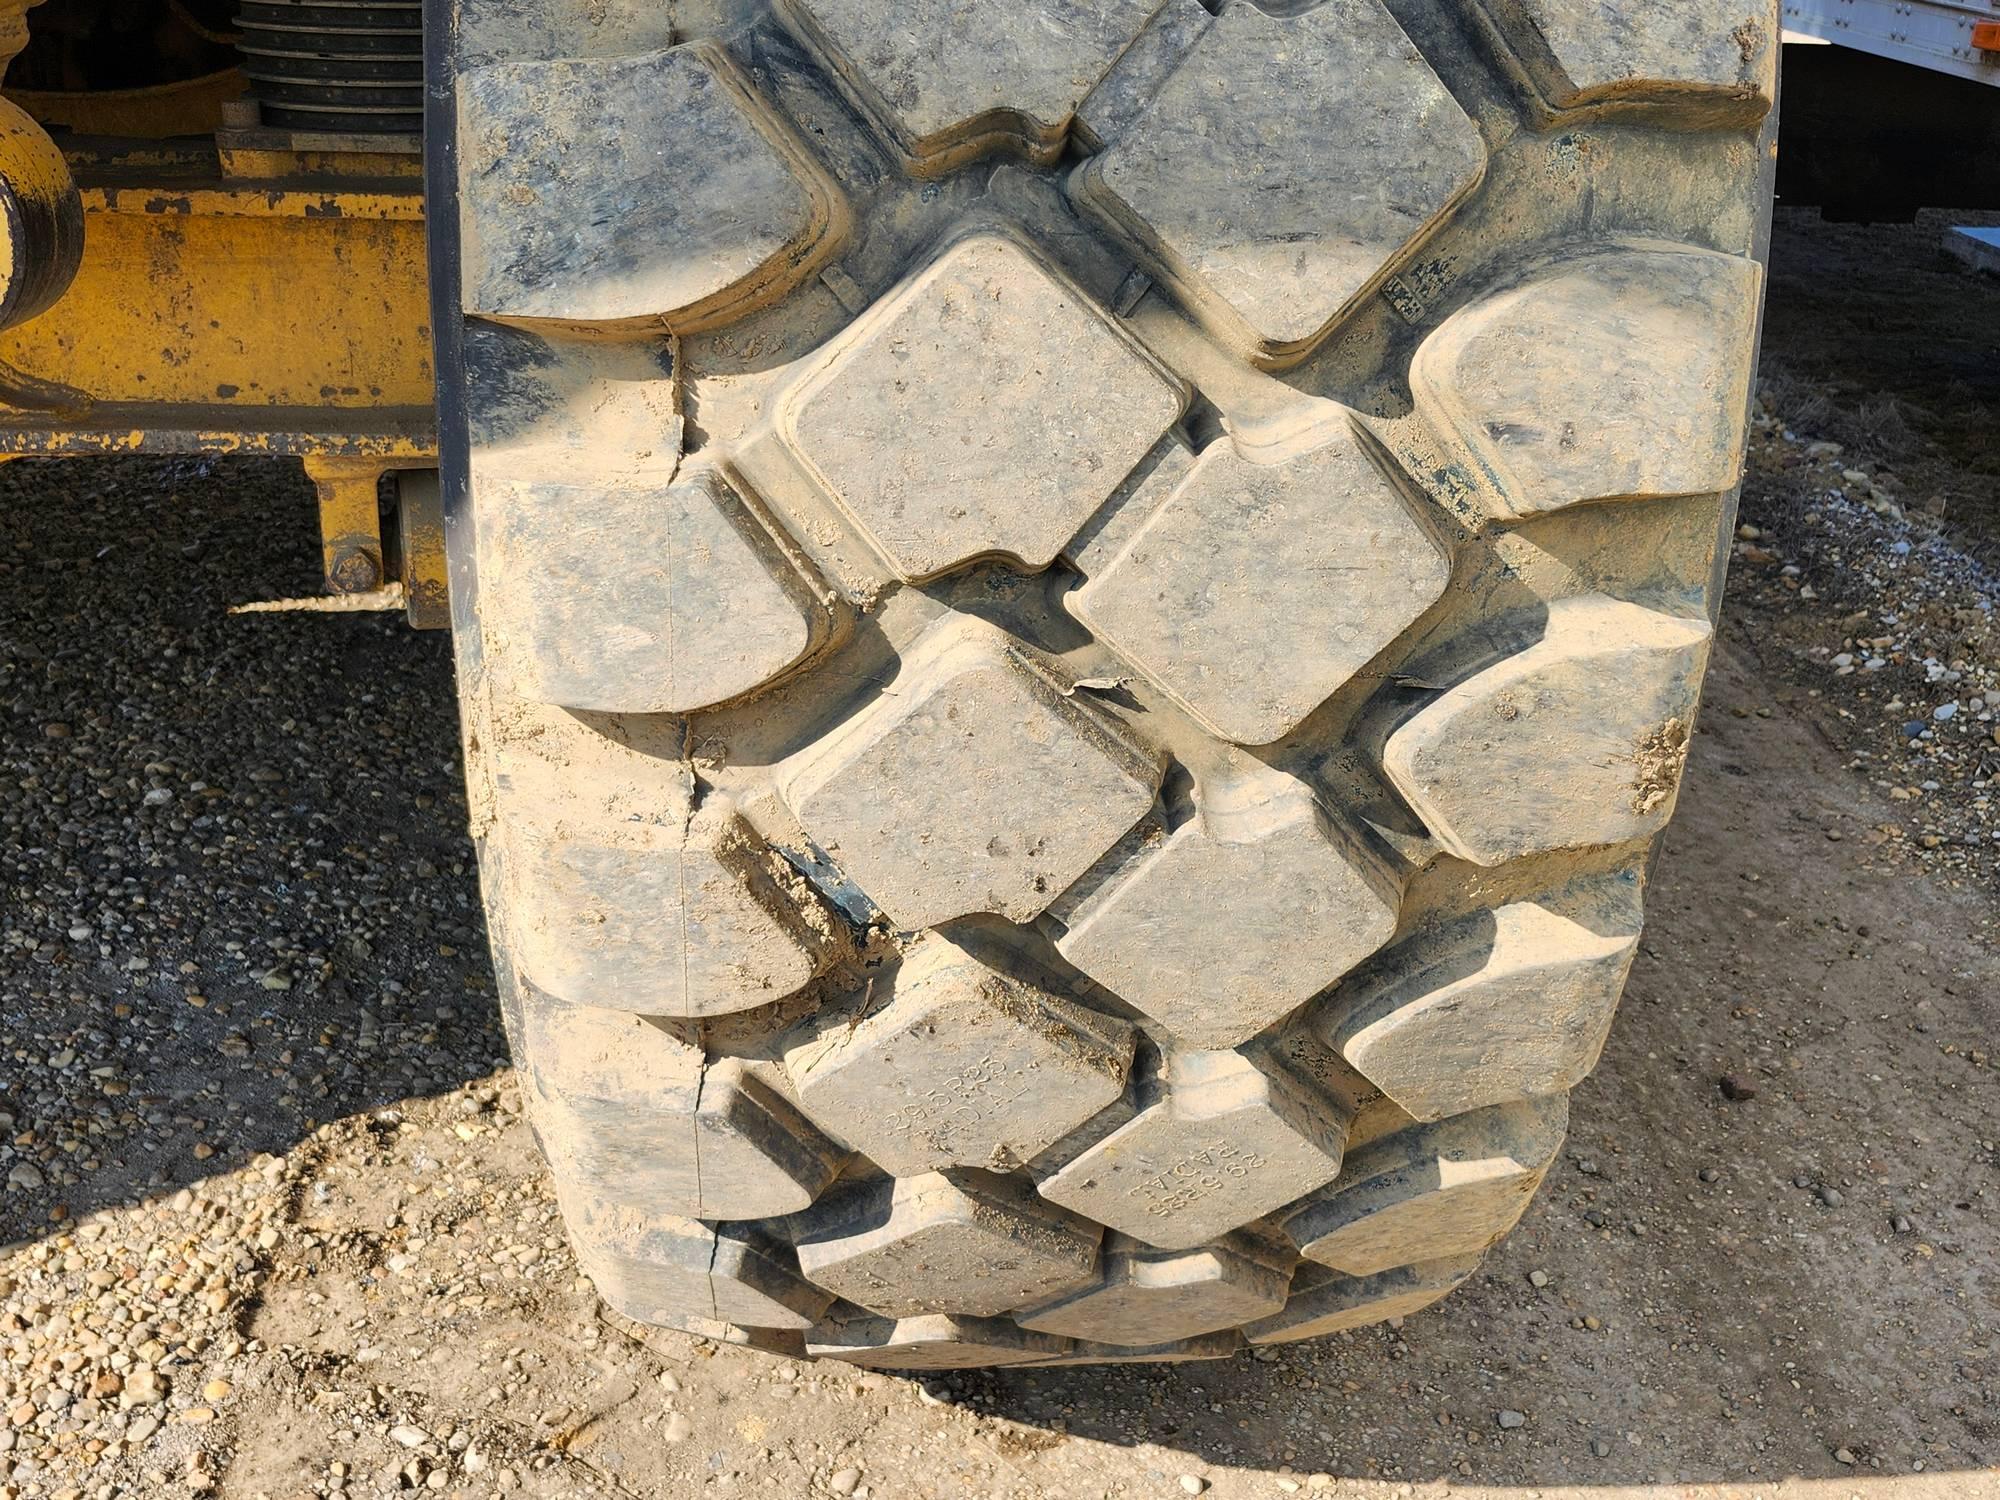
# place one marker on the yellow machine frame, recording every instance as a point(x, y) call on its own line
point(246, 294)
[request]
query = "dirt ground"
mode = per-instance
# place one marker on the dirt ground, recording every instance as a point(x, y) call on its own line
point(1883, 343)
point(1745, 1328)
point(273, 1225)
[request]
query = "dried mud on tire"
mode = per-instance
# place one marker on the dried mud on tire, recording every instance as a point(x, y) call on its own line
point(1070, 665)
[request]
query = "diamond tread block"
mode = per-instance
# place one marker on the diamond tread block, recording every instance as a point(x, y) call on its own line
point(1325, 1302)
point(985, 406)
point(1284, 168)
point(520, 30)
point(1499, 1006)
point(1717, 59)
point(1447, 1189)
point(1123, 94)
point(946, 1062)
point(684, 916)
point(1233, 1137)
point(631, 598)
point(1152, 1297)
point(1619, 374)
point(962, 1242)
point(1256, 590)
point(939, 1341)
point(1241, 915)
point(655, 188)
point(1578, 740)
point(973, 784)
point(947, 81)
point(656, 1269)
point(639, 1114)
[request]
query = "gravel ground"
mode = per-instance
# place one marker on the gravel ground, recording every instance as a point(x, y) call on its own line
point(273, 1225)
point(1876, 339)
point(1869, 556)
point(1892, 629)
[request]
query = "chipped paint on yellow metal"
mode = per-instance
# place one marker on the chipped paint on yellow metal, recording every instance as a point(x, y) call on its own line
point(217, 315)
point(41, 218)
point(124, 429)
point(302, 164)
point(233, 298)
point(242, 200)
point(248, 299)
point(350, 521)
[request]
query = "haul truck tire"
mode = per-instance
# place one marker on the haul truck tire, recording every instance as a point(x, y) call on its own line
point(1075, 621)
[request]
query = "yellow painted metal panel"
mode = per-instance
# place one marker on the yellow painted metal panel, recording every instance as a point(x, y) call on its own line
point(240, 297)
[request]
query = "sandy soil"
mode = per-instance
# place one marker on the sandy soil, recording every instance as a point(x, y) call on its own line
point(1690, 1332)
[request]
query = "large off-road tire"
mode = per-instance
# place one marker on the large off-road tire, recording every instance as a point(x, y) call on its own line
point(1075, 618)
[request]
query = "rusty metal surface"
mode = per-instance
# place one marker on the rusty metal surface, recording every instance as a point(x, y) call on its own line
point(350, 521)
point(420, 549)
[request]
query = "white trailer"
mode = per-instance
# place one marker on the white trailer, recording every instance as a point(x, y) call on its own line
point(1959, 37)
point(1899, 113)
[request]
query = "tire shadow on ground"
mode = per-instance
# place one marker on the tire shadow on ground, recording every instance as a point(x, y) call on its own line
point(236, 895)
